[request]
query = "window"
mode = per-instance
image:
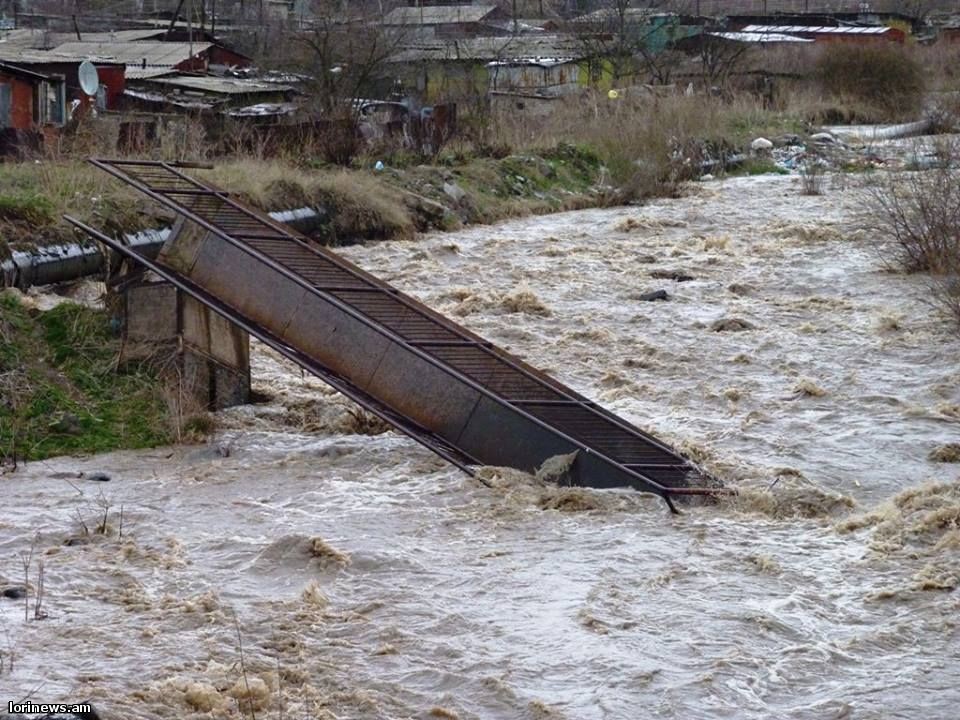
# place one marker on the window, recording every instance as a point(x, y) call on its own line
point(51, 102)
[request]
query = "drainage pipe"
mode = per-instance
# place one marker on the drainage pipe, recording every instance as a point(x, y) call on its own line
point(64, 263)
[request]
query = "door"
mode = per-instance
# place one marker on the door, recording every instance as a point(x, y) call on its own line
point(6, 96)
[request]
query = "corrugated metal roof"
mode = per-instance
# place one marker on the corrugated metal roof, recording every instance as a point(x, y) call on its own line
point(219, 85)
point(143, 59)
point(21, 72)
point(42, 57)
point(772, 7)
point(190, 103)
point(24, 38)
point(438, 15)
point(545, 62)
point(749, 37)
point(106, 37)
point(490, 49)
point(608, 15)
point(817, 29)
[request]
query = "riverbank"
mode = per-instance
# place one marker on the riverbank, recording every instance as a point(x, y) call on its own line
point(61, 391)
point(352, 206)
point(358, 204)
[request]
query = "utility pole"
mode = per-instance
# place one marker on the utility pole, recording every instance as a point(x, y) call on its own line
point(190, 31)
point(173, 20)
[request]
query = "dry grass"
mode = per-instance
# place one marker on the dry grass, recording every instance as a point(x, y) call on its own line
point(941, 65)
point(649, 141)
point(34, 196)
point(361, 206)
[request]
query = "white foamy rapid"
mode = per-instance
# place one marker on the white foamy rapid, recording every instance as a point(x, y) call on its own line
point(369, 579)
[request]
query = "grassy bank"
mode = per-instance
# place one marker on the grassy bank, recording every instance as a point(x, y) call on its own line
point(362, 204)
point(35, 196)
point(406, 197)
point(61, 393)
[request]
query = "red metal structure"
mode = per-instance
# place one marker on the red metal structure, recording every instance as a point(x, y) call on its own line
point(18, 91)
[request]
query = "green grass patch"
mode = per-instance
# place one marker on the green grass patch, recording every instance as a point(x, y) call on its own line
point(30, 209)
point(757, 166)
point(61, 391)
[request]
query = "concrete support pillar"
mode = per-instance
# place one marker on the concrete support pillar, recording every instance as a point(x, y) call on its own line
point(207, 355)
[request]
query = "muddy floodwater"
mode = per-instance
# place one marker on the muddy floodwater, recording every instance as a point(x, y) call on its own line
point(368, 579)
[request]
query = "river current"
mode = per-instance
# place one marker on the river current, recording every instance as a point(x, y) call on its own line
point(365, 578)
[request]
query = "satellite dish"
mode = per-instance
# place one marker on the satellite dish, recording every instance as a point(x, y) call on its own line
point(89, 80)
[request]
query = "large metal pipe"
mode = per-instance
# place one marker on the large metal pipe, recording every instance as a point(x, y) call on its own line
point(64, 263)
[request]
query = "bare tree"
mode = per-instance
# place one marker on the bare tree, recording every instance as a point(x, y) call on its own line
point(719, 57)
point(623, 33)
point(919, 10)
point(346, 54)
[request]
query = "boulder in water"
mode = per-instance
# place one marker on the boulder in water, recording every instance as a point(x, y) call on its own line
point(14, 592)
point(731, 325)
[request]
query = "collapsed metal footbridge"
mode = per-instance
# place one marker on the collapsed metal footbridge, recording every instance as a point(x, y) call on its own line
point(459, 395)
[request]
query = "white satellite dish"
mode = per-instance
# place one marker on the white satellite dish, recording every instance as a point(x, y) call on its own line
point(89, 80)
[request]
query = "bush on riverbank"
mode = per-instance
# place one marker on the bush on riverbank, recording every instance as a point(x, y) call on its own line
point(916, 219)
point(878, 82)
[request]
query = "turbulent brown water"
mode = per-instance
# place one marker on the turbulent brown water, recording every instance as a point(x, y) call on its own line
point(367, 579)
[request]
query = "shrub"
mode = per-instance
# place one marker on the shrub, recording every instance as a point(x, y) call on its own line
point(882, 82)
point(916, 216)
point(811, 177)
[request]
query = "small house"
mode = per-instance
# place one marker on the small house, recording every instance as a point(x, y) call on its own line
point(450, 70)
point(30, 100)
point(110, 74)
point(33, 106)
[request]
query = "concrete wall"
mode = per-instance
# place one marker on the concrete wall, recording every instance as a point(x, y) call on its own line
point(211, 356)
